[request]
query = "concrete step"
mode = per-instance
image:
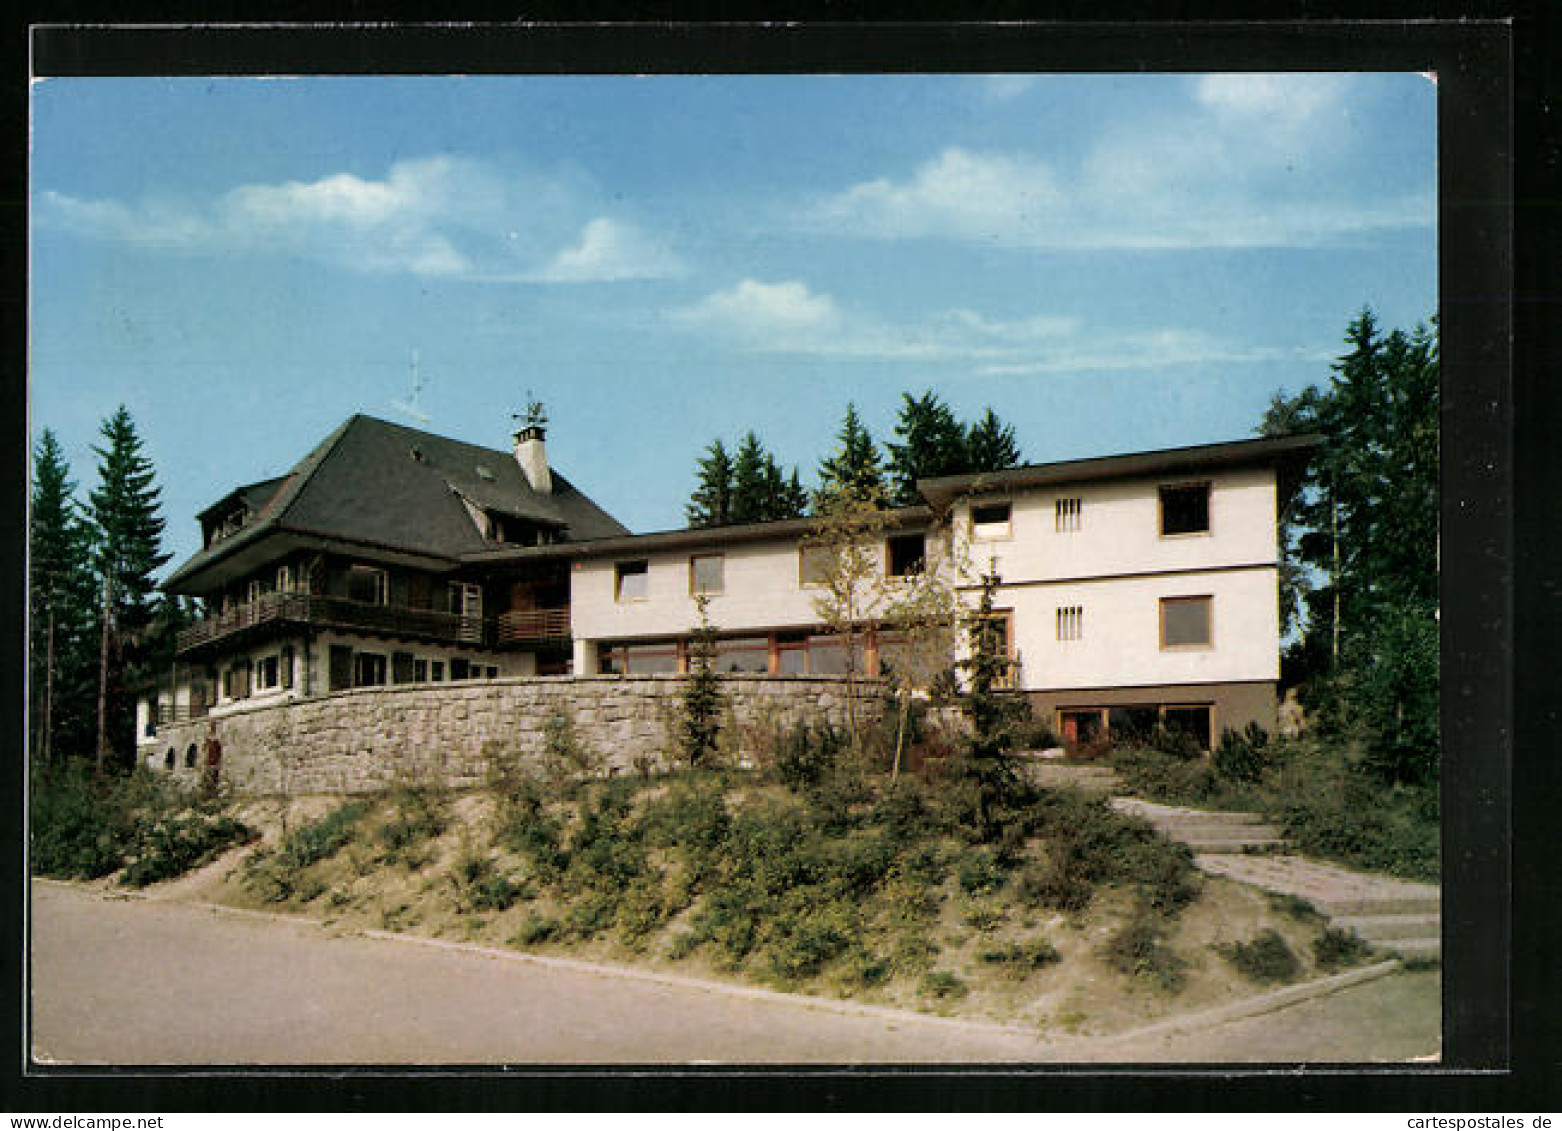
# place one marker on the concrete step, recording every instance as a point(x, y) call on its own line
point(1414, 948)
point(1372, 906)
point(1237, 845)
point(1390, 928)
point(1216, 828)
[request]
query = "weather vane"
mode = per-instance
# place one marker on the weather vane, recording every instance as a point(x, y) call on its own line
point(534, 417)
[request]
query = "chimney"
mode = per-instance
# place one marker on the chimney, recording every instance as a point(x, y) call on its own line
point(532, 454)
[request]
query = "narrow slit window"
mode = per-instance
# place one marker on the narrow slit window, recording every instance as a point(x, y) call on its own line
point(1071, 622)
point(1067, 515)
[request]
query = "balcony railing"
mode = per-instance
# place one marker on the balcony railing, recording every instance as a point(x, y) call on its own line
point(167, 713)
point(533, 626)
point(336, 612)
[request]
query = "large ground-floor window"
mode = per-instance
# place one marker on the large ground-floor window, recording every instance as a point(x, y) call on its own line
point(1082, 725)
point(776, 653)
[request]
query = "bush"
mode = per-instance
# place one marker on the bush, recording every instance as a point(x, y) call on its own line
point(978, 871)
point(942, 984)
point(1044, 883)
point(1265, 958)
point(479, 887)
point(537, 929)
point(1336, 948)
point(276, 876)
point(565, 758)
point(1242, 756)
point(1021, 959)
point(805, 755)
point(419, 817)
point(1138, 950)
point(172, 846)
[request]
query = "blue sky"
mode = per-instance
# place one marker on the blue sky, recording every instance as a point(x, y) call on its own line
point(1111, 262)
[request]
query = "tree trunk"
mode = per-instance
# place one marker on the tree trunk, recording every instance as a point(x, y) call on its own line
point(108, 590)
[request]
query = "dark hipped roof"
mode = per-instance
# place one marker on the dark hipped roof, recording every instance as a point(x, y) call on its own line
point(382, 484)
point(1167, 461)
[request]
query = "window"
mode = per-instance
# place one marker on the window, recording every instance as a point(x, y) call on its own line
point(168, 759)
point(236, 681)
point(189, 757)
point(437, 671)
point(368, 670)
point(367, 584)
point(813, 566)
point(907, 554)
point(991, 520)
point(631, 580)
point(707, 573)
point(420, 670)
point(466, 599)
point(460, 669)
point(1067, 517)
point(401, 667)
point(1185, 622)
point(284, 579)
point(638, 659)
point(1071, 622)
point(266, 673)
point(287, 667)
point(257, 589)
point(151, 718)
point(1192, 721)
point(743, 654)
point(1185, 509)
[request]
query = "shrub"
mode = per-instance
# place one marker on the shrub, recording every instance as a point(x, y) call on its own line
point(1021, 959)
point(1138, 950)
point(537, 929)
point(173, 846)
point(803, 939)
point(590, 916)
point(478, 886)
point(942, 984)
point(978, 871)
point(419, 817)
point(641, 910)
point(806, 755)
point(1043, 882)
point(1265, 958)
point(565, 758)
point(1336, 948)
point(702, 698)
point(1242, 756)
point(276, 876)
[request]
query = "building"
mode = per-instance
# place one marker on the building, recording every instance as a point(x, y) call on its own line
point(1134, 589)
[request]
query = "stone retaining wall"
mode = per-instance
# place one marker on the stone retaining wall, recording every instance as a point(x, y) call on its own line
point(456, 734)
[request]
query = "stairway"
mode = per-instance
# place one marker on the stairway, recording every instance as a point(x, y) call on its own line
point(1092, 777)
point(1204, 830)
point(1390, 914)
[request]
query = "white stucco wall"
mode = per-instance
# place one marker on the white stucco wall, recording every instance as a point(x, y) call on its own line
point(761, 591)
point(1120, 529)
point(1120, 640)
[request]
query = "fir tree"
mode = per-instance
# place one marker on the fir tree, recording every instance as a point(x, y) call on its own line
point(702, 698)
point(990, 445)
point(711, 503)
point(853, 469)
point(932, 444)
point(61, 660)
point(128, 538)
point(983, 770)
point(750, 489)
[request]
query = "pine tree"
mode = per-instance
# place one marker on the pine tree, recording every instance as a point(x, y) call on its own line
point(853, 469)
point(711, 503)
point(61, 658)
point(990, 445)
point(932, 444)
point(794, 496)
point(128, 538)
point(703, 701)
point(750, 490)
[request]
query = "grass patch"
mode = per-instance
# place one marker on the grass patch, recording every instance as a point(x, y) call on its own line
point(1019, 960)
point(279, 875)
point(1138, 950)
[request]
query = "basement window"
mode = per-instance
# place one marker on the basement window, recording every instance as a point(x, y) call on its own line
point(632, 580)
point(1185, 509)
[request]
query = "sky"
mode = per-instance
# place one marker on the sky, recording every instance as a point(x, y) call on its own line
point(1111, 262)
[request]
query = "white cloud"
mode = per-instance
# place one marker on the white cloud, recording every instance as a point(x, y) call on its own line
point(1250, 161)
point(1152, 349)
point(434, 216)
point(1003, 88)
point(609, 250)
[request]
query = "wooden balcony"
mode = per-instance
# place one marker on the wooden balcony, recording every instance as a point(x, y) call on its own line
point(168, 714)
point(532, 626)
point(276, 610)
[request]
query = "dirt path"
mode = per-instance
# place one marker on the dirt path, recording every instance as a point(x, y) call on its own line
point(154, 982)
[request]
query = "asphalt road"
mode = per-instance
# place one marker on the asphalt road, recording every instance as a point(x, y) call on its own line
point(130, 981)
